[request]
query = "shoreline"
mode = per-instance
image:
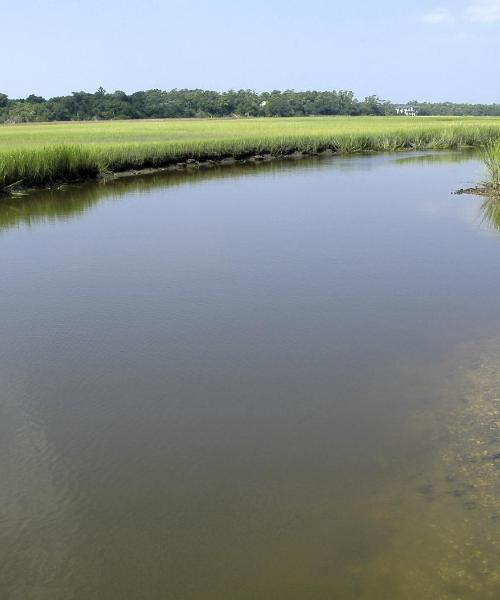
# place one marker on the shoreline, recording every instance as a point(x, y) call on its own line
point(192, 165)
point(483, 189)
point(186, 165)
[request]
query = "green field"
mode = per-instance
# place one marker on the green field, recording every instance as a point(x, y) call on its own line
point(43, 154)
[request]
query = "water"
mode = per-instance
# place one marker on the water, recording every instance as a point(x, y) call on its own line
point(276, 381)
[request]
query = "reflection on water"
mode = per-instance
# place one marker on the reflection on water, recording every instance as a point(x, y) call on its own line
point(276, 381)
point(74, 200)
point(438, 157)
point(490, 212)
point(71, 201)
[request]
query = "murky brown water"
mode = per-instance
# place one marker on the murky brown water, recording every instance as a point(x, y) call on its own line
point(264, 382)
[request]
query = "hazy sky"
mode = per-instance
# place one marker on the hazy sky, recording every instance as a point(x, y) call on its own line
point(398, 49)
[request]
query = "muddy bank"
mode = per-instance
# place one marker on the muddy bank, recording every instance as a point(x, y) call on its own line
point(186, 165)
point(480, 190)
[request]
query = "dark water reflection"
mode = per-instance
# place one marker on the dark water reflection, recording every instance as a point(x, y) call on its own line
point(246, 384)
point(74, 200)
point(490, 211)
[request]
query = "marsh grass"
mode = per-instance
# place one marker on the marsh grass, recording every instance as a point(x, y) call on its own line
point(490, 209)
point(491, 158)
point(47, 165)
point(41, 155)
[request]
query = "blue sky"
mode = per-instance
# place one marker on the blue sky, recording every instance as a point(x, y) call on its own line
point(400, 50)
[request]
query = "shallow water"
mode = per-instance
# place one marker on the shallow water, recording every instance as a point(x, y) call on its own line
point(276, 381)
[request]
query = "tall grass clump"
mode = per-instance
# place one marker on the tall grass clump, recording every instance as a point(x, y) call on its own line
point(491, 158)
point(47, 165)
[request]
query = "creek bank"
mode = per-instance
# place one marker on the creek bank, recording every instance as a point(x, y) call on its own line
point(480, 190)
point(186, 165)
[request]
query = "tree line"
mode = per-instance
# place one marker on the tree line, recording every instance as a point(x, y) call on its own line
point(101, 105)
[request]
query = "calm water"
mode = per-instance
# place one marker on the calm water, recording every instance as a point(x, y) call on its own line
point(274, 382)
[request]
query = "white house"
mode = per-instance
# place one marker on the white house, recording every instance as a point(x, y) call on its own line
point(407, 111)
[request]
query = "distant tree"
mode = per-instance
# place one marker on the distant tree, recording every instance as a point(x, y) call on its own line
point(35, 99)
point(26, 112)
point(208, 103)
point(372, 105)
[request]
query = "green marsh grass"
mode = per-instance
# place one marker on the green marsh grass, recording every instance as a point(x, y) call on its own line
point(491, 159)
point(45, 154)
point(490, 208)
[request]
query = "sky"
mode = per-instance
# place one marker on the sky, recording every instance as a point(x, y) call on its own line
point(400, 50)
